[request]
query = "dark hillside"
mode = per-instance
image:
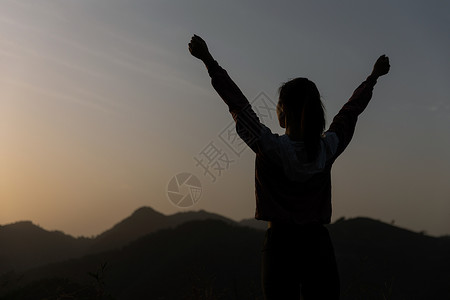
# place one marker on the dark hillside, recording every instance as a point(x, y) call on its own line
point(376, 259)
point(25, 245)
point(143, 221)
point(222, 259)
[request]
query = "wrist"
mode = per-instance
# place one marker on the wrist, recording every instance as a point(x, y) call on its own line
point(374, 76)
point(208, 59)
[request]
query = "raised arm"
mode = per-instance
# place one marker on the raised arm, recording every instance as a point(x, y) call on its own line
point(248, 125)
point(222, 83)
point(345, 121)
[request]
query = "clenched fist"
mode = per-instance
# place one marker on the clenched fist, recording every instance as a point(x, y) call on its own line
point(381, 66)
point(199, 49)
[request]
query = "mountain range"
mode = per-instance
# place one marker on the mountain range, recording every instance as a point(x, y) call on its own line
point(201, 255)
point(26, 245)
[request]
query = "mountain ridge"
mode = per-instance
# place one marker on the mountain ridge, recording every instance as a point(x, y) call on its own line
point(29, 245)
point(26, 245)
point(375, 260)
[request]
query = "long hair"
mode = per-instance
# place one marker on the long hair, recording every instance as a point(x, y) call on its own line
point(301, 103)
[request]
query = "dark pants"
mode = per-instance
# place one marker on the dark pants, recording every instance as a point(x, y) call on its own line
point(299, 261)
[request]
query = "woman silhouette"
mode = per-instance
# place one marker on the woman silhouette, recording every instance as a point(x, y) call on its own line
point(293, 177)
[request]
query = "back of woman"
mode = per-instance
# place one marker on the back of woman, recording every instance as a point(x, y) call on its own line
point(293, 177)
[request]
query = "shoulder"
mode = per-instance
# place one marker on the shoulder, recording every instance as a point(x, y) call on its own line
point(330, 143)
point(270, 145)
point(268, 141)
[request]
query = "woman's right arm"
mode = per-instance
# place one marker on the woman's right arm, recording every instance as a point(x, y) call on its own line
point(344, 122)
point(248, 125)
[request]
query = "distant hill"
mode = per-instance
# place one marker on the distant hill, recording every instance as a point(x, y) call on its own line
point(186, 261)
point(222, 260)
point(143, 221)
point(25, 245)
point(384, 260)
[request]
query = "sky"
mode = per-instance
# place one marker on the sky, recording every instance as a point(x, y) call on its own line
point(101, 105)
